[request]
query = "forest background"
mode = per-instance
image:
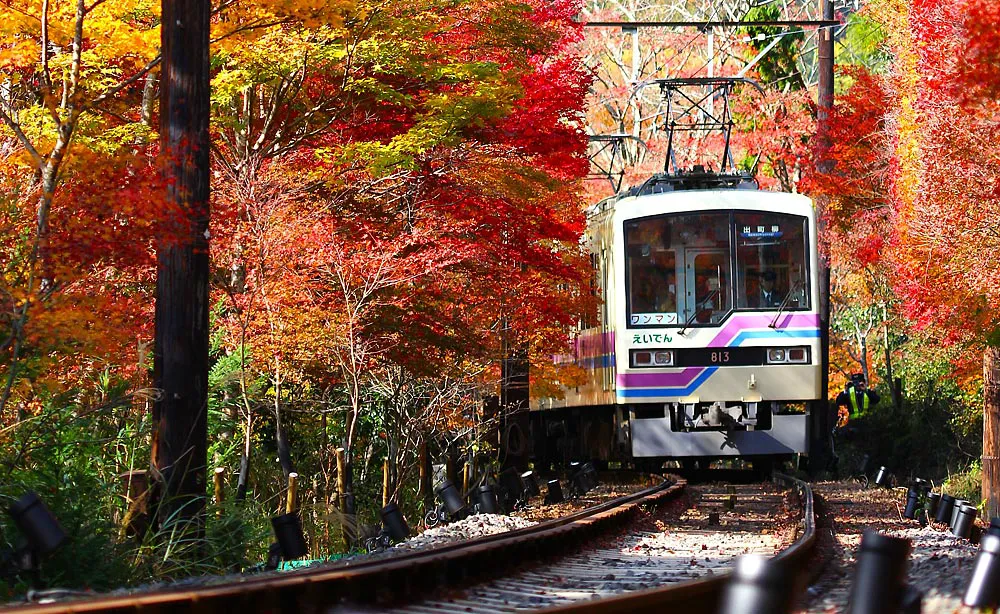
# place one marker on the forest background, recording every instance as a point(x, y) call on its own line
point(398, 195)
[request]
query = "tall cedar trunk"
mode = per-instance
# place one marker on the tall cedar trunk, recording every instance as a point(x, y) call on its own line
point(181, 354)
point(820, 450)
point(991, 430)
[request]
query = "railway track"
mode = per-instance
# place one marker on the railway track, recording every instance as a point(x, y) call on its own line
point(643, 566)
point(410, 577)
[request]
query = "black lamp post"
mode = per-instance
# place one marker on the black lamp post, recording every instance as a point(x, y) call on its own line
point(759, 585)
point(288, 531)
point(488, 500)
point(394, 523)
point(530, 482)
point(880, 575)
point(41, 535)
point(37, 523)
point(984, 587)
point(555, 492)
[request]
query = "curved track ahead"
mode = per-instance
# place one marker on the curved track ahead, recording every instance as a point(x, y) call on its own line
point(385, 580)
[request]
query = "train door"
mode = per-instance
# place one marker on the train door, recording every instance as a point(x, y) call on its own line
point(705, 285)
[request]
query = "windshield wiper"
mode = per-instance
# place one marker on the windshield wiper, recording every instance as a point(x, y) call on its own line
point(698, 307)
point(784, 303)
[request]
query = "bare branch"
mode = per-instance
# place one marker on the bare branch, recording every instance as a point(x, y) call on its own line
point(138, 75)
point(93, 6)
point(23, 138)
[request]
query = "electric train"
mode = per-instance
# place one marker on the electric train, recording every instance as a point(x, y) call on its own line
point(707, 344)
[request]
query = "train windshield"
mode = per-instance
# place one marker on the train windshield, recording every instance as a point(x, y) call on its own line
point(695, 268)
point(771, 261)
point(679, 269)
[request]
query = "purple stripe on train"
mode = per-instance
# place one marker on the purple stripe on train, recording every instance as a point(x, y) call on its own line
point(732, 330)
point(679, 379)
point(738, 324)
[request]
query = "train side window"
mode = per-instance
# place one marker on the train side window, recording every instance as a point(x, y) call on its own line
point(771, 261)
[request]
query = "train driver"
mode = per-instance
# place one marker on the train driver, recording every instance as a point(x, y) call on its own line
point(766, 295)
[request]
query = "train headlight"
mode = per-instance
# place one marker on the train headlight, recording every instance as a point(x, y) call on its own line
point(652, 358)
point(663, 358)
point(795, 356)
point(776, 355)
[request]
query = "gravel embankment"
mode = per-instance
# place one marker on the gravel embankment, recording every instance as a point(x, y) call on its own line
point(940, 563)
point(472, 527)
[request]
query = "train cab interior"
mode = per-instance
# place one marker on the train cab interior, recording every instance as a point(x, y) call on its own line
point(695, 268)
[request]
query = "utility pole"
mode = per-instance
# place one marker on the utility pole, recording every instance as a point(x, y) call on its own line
point(181, 340)
point(821, 420)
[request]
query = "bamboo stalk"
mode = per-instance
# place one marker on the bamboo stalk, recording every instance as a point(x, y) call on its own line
point(386, 481)
point(291, 503)
point(341, 475)
point(217, 483)
point(344, 503)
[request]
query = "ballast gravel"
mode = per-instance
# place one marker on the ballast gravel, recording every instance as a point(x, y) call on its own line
point(940, 564)
point(480, 525)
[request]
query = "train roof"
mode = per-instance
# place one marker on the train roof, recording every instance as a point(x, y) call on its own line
point(688, 190)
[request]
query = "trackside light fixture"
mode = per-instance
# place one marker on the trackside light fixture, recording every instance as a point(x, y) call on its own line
point(448, 494)
point(37, 523)
point(394, 523)
point(288, 531)
point(488, 500)
point(984, 587)
point(880, 574)
point(758, 584)
point(555, 492)
point(530, 481)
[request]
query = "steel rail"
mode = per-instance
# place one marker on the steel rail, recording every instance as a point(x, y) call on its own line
point(702, 594)
point(382, 580)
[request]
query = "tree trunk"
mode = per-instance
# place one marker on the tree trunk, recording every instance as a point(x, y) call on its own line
point(284, 450)
point(345, 490)
point(426, 478)
point(819, 449)
point(182, 284)
point(991, 431)
point(514, 405)
point(897, 397)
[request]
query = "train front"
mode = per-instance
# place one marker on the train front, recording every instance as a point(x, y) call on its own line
point(717, 332)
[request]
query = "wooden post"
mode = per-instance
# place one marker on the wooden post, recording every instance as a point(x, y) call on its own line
point(180, 364)
point(426, 478)
point(386, 484)
point(341, 476)
point(451, 466)
point(217, 483)
point(991, 430)
point(291, 501)
point(346, 497)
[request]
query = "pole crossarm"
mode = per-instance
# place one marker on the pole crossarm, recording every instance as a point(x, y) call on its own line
point(611, 145)
point(703, 25)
